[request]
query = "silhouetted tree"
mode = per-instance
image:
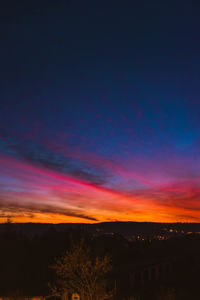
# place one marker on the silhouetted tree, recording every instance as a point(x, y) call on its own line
point(167, 295)
point(78, 271)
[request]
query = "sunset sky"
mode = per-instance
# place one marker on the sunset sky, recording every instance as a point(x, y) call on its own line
point(100, 111)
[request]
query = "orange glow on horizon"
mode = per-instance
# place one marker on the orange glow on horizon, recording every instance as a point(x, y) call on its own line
point(39, 195)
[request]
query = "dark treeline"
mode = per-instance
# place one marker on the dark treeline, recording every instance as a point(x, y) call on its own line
point(25, 262)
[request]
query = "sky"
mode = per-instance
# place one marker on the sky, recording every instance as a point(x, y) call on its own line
point(99, 111)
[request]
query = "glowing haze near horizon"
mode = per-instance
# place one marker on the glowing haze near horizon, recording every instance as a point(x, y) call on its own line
point(99, 113)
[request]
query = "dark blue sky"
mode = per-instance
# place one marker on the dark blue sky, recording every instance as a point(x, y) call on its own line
point(107, 93)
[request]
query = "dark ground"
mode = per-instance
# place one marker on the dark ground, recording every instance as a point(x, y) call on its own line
point(25, 261)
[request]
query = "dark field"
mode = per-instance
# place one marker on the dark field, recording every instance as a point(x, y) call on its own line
point(146, 268)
